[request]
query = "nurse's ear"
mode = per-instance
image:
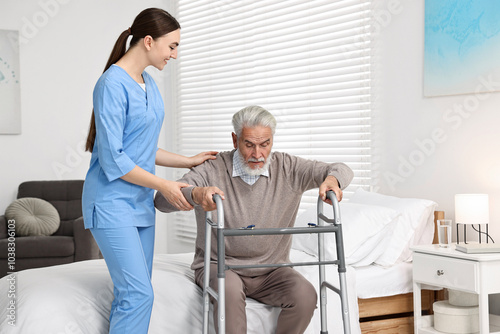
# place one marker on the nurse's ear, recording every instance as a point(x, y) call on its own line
point(148, 42)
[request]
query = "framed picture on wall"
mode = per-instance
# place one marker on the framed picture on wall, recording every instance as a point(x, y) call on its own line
point(462, 47)
point(10, 89)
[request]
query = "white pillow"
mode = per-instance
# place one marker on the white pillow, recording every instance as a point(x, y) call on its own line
point(374, 247)
point(363, 229)
point(413, 225)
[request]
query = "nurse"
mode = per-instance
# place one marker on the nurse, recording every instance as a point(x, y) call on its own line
point(119, 187)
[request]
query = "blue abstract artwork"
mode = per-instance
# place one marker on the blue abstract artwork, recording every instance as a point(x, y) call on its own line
point(462, 46)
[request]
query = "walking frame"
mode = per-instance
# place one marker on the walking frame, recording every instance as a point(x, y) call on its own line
point(334, 226)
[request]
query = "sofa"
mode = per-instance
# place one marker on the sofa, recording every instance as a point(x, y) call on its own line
point(71, 242)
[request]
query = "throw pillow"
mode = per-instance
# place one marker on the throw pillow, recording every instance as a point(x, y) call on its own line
point(33, 216)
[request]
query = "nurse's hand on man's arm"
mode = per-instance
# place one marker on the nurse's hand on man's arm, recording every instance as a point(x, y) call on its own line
point(172, 192)
point(204, 196)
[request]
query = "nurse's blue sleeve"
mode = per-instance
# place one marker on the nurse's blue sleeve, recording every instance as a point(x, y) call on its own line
point(110, 110)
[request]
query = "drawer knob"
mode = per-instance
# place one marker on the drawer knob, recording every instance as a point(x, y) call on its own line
point(440, 272)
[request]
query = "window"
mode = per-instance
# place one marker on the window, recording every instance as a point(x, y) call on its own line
point(307, 62)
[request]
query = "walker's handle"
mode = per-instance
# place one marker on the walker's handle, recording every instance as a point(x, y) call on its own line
point(220, 210)
point(216, 198)
point(336, 209)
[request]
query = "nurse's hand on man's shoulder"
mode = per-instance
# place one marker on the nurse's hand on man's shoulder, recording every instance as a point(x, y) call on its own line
point(202, 157)
point(204, 196)
point(172, 192)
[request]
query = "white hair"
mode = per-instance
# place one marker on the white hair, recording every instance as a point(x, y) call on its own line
point(253, 116)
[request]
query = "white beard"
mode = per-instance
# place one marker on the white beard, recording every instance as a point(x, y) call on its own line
point(256, 171)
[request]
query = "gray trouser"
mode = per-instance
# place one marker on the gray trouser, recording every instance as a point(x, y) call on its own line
point(283, 287)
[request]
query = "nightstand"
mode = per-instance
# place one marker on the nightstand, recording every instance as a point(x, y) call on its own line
point(448, 268)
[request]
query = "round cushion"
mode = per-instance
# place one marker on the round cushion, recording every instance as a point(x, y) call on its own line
point(33, 216)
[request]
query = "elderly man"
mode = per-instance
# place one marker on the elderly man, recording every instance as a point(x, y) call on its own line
point(260, 188)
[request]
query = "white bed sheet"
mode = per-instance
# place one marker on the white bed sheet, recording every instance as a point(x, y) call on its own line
point(377, 281)
point(75, 298)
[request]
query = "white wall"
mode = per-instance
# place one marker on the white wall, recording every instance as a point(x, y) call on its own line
point(428, 148)
point(424, 147)
point(64, 46)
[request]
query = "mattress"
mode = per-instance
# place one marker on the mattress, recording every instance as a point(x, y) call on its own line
point(377, 281)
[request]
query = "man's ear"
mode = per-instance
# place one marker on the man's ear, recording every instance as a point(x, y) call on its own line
point(235, 140)
point(148, 42)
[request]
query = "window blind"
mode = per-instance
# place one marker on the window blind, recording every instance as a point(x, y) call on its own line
point(307, 62)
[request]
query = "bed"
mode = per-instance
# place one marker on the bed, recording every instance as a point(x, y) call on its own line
point(378, 231)
point(390, 308)
point(75, 298)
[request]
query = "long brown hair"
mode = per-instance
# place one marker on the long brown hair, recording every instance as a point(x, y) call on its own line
point(154, 22)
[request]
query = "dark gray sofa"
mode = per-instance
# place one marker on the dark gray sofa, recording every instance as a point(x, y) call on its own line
point(70, 243)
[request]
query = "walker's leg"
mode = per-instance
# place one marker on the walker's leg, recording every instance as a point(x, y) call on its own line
point(344, 304)
point(322, 307)
point(206, 278)
point(221, 276)
point(322, 288)
point(222, 306)
point(341, 266)
point(342, 280)
point(321, 257)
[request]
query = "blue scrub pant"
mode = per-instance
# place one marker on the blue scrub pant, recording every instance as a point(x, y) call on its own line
point(128, 252)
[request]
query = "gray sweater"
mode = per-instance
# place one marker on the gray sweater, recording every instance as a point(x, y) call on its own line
point(271, 202)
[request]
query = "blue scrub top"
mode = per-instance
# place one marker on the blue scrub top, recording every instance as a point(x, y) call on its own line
point(128, 123)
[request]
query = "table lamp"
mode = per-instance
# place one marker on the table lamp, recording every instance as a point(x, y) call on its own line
point(473, 209)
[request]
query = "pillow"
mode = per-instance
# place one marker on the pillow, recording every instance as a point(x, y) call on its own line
point(373, 248)
point(33, 216)
point(413, 225)
point(363, 229)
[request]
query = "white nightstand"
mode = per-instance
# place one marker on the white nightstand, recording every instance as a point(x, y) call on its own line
point(448, 268)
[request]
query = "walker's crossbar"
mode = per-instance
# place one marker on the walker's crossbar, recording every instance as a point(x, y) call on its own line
point(331, 287)
point(326, 219)
point(276, 231)
point(280, 265)
point(271, 231)
point(212, 293)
